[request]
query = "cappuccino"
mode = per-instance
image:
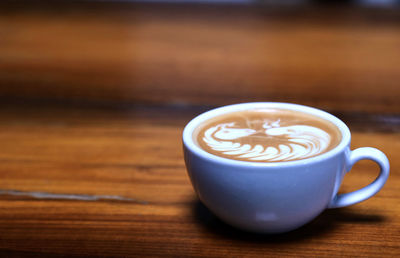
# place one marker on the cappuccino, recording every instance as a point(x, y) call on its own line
point(267, 135)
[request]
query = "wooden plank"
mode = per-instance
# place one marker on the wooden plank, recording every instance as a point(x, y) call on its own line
point(135, 153)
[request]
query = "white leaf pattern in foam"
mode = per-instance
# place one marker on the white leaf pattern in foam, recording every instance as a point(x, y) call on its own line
point(226, 133)
point(257, 150)
point(303, 141)
point(245, 148)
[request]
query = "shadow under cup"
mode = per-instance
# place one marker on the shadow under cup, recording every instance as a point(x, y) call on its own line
point(275, 197)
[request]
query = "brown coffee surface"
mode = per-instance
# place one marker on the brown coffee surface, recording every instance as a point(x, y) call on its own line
point(267, 135)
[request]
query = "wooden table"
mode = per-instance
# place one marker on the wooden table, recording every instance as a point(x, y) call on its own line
point(95, 97)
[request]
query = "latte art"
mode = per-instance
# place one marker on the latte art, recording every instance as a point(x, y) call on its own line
point(266, 136)
point(298, 142)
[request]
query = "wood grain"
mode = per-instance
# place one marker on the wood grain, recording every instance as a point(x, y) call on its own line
point(335, 58)
point(135, 153)
point(94, 98)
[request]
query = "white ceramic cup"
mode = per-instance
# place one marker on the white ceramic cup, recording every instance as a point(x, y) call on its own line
point(276, 197)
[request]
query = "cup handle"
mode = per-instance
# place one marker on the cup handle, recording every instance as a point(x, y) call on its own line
point(342, 200)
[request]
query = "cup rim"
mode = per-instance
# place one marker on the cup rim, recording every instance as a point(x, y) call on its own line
point(188, 141)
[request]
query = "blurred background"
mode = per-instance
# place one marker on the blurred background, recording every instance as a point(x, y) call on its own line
point(336, 55)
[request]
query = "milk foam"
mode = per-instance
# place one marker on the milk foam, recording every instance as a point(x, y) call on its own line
point(292, 142)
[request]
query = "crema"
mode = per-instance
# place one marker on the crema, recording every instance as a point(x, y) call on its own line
point(267, 135)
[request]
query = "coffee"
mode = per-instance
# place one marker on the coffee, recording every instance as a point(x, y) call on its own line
point(267, 135)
